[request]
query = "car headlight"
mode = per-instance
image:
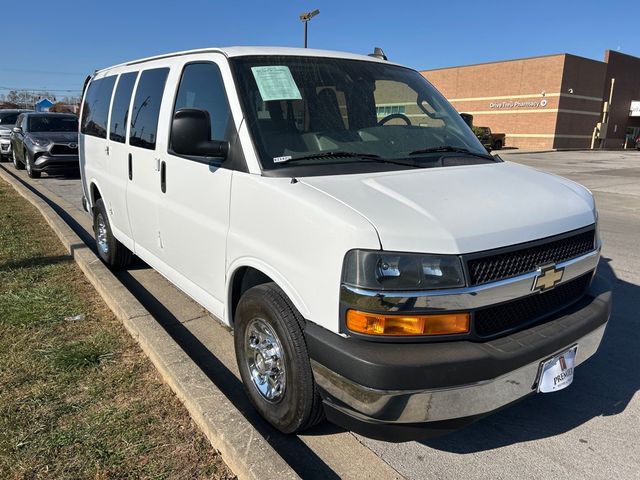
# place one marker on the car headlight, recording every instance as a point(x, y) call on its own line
point(40, 142)
point(401, 271)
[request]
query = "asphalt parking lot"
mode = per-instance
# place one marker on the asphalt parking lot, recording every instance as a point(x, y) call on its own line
point(589, 430)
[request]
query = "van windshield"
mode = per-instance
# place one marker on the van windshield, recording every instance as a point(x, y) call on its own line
point(309, 111)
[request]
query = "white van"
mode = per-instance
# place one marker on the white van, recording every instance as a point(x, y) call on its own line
point(378, 267)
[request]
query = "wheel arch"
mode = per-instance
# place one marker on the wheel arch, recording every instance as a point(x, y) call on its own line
point(249, 273)
point(94, 192)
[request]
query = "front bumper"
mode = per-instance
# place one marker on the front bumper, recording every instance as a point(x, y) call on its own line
point(398, 392)
point(48, 163)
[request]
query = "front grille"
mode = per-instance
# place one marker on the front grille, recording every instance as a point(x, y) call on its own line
point(60, 149)
point(518, 313)
point(512, 263)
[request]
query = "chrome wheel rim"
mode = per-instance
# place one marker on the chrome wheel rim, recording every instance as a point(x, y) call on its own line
point(15, 160)
point(264, 358)
point(28, 166)
point(101, 234)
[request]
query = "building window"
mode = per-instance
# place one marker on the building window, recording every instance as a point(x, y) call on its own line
point(384, 110)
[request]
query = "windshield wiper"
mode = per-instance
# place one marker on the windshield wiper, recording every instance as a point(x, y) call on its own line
point(449, 148)
point(333, 154)
point(371, 157)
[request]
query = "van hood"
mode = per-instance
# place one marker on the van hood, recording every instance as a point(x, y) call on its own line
point(462, 209)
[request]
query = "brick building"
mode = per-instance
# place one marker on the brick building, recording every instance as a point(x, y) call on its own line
point(549, 102)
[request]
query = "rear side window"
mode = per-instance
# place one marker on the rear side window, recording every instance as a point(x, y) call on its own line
point(146, 108)
point(95, 110)
point(120, 107)
point(201, 87)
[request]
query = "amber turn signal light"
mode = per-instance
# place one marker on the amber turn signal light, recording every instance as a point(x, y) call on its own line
point(403, 325)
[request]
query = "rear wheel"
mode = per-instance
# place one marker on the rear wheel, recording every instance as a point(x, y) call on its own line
point(273, 360)
point(110, 250)
point(498, 145)
point(17, 164)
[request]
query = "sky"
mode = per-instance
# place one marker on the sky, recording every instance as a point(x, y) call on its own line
point(54, 45)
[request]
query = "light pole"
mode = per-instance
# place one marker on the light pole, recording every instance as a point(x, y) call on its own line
point(305, 17)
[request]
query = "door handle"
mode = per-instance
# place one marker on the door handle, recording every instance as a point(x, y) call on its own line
point(163, 177)
point(130, 168)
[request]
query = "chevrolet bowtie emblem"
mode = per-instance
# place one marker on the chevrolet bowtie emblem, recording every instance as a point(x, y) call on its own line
point(548, 277)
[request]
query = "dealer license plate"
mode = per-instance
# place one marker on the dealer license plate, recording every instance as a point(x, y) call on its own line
point(557, 372)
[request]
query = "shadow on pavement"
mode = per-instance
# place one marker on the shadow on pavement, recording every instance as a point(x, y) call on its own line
point(71, 174)
point(295, 452)
point(603, 386)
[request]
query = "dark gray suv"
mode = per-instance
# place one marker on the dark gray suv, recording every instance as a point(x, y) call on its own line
point(45, 142)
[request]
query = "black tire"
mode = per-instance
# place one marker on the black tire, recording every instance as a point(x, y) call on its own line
point(3, 158)
point(299, 406)
point(17, 164)
point(498, 145)
point(30, 171)
point(110, 250)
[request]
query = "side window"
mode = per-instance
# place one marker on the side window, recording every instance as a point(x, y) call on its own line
point(201, 87)
point(146, 108)
point(19, 121)
point(24, 123)
point(120, 107)
point(96, 107)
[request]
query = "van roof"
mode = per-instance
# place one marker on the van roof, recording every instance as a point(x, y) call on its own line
point(230, 52)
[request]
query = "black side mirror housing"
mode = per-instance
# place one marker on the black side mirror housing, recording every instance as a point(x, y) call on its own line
point(191, 135)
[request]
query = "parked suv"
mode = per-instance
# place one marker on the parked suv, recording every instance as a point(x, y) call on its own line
point(45, 142)
point(7, 122)
point(378, 267)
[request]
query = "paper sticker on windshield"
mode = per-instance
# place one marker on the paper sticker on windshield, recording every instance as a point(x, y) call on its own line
point(281, 159)
point(276, 83)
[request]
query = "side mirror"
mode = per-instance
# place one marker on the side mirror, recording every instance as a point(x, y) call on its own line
point(17, 130)
point(191, 135)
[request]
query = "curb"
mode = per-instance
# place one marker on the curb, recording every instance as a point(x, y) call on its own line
point(242, 447)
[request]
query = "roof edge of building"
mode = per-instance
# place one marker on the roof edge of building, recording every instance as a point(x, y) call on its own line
point(507, 61)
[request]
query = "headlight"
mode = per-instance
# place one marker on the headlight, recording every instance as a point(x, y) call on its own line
point(401, 271)
point(41, 142)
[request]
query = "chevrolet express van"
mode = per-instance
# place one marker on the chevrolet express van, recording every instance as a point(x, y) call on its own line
point(377, 266)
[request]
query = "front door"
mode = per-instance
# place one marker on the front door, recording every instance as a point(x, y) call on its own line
point(17, 138)
point(194, 216)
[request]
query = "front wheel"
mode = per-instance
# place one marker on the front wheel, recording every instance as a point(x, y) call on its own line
point(273, 360)
point(110, 250)
point(30, 171)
